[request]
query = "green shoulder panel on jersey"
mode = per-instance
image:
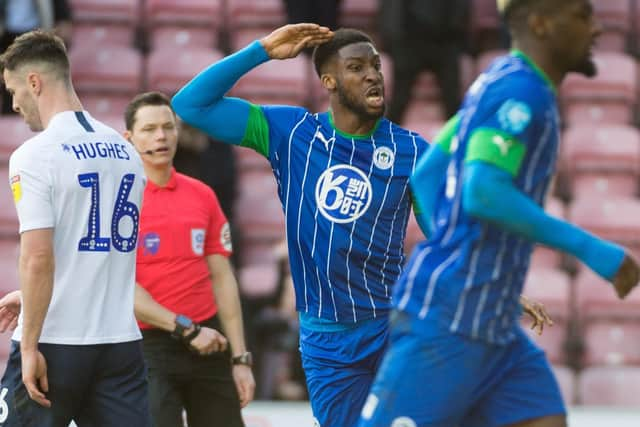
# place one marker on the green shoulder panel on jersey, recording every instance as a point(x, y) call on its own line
point(496, 147)
point(256, 135)
point(444, 138)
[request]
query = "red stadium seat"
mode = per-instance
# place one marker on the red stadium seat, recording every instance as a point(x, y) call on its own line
point(176, 38)
point(358, 13)
point(595, 164)
point(93, 35)
point(424, 111)
point(14, 132)
point(109, 69)
point(615, 87)
point(114, 121)
point(256, 13)
point(8, 216)
point(566, 378)
point(610, 386)
point(250, 160)
point(611, 342)
point(597, 300)
point(551, 287)
point(188, 12)
point(258, 208)
point(243, 36)
point(258, 280)
point(426, 129)
point(106, 11)
point(603, 112)
point(101, 105)
point(9, 250)
point(552, 340)
point(276, 79)
point(614, 218)
point(543, 256)
point(615, 18)
point(170, 69)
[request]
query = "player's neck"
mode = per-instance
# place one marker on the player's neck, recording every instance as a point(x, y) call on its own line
point(159, 175)
point(57, 100)
point(542, 59)
point(348, 122)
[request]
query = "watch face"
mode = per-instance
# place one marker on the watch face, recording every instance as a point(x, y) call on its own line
point(243, 359)
point(183, 321)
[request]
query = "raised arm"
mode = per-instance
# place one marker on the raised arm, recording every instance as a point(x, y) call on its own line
point(202, 103)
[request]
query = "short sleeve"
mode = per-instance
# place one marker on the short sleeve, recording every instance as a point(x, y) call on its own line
point(511, 128)
point(32, 190)
point(218, 233)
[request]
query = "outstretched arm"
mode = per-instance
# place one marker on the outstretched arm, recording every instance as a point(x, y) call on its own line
point(201, 102)
point(489, 194)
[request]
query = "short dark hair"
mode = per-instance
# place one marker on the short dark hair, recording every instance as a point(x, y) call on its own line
point(36, 46)
point(341, 38)
point(516, 11)
point(156, 99)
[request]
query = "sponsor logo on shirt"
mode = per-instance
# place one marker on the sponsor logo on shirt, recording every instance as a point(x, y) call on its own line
point(225, 237)
point(514, 116)
point(197, 240)
point(151, 242)
point(383, 158)
point(324, 140)
point(16, 188)
point(343, 193)
point(503, 144)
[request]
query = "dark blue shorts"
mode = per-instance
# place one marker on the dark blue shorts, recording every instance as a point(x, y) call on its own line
point(432, 378)
point(101, 385)
point(340, 367)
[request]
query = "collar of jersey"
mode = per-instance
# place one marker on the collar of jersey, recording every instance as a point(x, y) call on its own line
point(520, 54)
point(349, 135)
point(171, 184)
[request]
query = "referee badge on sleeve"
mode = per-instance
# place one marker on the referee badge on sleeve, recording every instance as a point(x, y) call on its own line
point(16, 188)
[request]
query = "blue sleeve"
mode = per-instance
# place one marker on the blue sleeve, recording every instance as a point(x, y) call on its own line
point(489, 194)
point(202, 104)
point(426, 183)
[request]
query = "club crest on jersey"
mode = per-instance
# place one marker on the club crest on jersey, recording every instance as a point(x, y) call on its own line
point(514, 116)
point(343, 193)
point(151, 242)
point(197, 241)
point(16, 188)
point(383, 158)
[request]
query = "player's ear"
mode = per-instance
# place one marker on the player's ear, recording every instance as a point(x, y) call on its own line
point(34, 83)
point(328, 82)
point(127, 136)
point(540, 25)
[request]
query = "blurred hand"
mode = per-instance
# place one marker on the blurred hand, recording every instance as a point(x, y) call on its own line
point(10, 306)
point(208, 341)
point(245, 384)
point(537, 312)
point(34, 376)
point(627, 276)
point(288, 41)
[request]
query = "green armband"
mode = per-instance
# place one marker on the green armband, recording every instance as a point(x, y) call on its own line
point(497, 148)
point(256, 135)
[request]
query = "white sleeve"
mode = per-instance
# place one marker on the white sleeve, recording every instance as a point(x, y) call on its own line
point(31, 187)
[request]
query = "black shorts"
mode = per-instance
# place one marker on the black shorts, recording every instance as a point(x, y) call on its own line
point(180, 380)
point(101, 385)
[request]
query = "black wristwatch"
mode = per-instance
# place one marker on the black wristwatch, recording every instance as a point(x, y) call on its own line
point(192, 335)
point(244, 359)
point(182, 324)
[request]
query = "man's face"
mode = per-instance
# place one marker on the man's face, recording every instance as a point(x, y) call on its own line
point(359, 80)
point(23, 98)
point(155, 129)
point(574, 33)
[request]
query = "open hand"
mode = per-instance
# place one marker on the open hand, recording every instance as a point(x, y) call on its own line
point(288, 41)
point(10, 306)
point(627, 276)
point(538, 314)
point(34, 376)
point(245, 384)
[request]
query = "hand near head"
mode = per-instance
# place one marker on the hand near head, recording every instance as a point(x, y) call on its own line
point(288, 41)
point(627, 276)
point(10, 306)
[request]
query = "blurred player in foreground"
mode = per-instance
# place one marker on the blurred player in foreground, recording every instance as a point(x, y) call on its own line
point(456, 305)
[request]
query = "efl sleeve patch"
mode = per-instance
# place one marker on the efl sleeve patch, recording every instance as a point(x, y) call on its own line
point(225, 237)
point(497, 148)
point(16, 188)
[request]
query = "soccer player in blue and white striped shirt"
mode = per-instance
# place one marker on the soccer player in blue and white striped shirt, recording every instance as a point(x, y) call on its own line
point(457, 356)
point(343, 179)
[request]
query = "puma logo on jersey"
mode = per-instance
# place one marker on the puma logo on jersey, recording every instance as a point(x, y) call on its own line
point(324, 140)
point(503, 144)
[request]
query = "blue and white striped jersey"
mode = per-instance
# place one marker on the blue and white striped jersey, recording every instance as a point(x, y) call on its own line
point(346, 201)
point(469, 275)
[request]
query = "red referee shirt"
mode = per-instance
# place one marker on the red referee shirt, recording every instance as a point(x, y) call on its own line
point(180, 225)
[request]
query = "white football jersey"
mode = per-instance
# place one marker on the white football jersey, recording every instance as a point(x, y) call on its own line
point(84, 180)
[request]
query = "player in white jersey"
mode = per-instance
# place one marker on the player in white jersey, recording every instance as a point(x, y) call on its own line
point(78, 188)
